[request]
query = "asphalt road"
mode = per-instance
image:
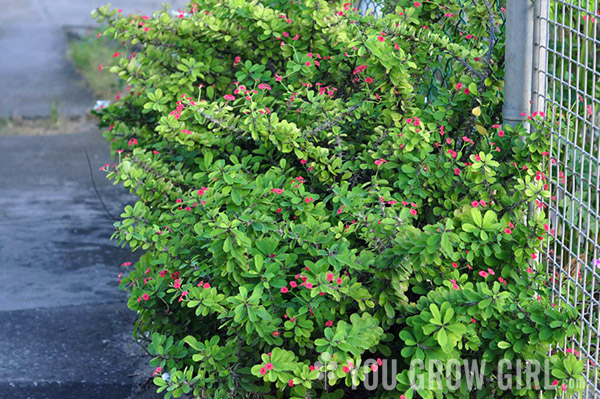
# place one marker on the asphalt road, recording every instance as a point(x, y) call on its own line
point(34, 73)
point(65, 331)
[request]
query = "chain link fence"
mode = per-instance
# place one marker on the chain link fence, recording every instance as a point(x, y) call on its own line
point(567, 87)
point(443, 68)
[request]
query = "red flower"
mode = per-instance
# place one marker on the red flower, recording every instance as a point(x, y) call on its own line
point(115, 55)
point(359, 69)
point(145, 297)
point(381, 38)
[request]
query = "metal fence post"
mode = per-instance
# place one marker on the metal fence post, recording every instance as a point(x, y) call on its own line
point(540, 55)
point(519, 60)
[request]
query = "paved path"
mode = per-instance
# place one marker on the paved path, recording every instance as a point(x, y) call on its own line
point(34, 73)
point(63, 327)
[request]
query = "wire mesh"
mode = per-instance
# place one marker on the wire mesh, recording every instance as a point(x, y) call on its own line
point(569, 34)
point(439, 74)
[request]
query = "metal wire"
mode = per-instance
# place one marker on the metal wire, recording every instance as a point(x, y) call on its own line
point(571, 97)
point(438, 75)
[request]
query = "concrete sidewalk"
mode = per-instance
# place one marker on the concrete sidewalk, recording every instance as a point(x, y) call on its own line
point(65, 331)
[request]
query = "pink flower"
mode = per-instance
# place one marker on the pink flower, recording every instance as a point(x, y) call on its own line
point(459, 86)
point(229, 97)
point(475, 204)
point(533, 255)
point(116, 54)
point(529, 270)
point(508, 231)
point(206, 286)
point(457, 171)
point(501, 133)
point(263, 371)
point(158, 370)
point(291, 383)
point(284, 290)
point(381, 38)
point(454, 265)
point(177, 283)
point(339, 281)
point(277, 190)
point(380, 161)
point(329, 276)
point(490, 271)
point(359, 69)
point(328, 323)
point(483, 203)
point(293, 284)
point(413, 212)
point(145, 297)
point(309, 199)
point(555, 383)
point(309, 286)
point(345, 369)
point(374, 367)
point(369, 80)
point(483, 274)
point(417, 4)
point(269, 366)
point(303, 161)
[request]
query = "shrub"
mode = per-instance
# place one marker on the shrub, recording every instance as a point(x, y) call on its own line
point(304, 198)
